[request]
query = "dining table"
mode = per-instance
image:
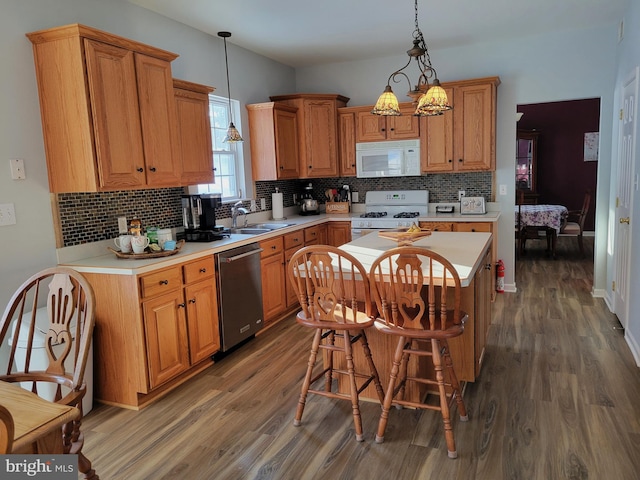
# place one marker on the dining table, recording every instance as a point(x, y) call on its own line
point(549, 218)
point(37, 422)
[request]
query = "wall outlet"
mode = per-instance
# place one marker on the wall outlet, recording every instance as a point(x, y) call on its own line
point(17, 169)
point(263, 204)
point(355, 197)
point(461, 193)
point(122, 225)
point(7, 214)
point(253, 207)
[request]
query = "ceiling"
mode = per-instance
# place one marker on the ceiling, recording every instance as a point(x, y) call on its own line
point(302, 33)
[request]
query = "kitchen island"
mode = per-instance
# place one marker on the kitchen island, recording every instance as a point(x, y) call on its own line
point(470, 253)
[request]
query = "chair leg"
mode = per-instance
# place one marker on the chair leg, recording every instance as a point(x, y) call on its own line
point(328, 379)
point(388, 398)
point(353, 386)
point(307, 378)
point(372, 367)
point(453, 379)
point(444, 403)
point(580, 244)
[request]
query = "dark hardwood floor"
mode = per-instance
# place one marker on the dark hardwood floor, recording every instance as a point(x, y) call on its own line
point(558, 398)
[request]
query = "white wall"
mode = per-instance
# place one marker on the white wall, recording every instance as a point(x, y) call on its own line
point(629, 59)
point(545, 68)
point(29, 245)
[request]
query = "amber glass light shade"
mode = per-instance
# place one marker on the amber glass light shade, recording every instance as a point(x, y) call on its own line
point(233, 135)
point(387, 103)
point(434, 102)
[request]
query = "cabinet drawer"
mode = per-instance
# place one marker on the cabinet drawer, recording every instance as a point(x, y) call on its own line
point(271, 247)
point(437, 226)
point(294, 239)
point(202, 268)
point(162, 281)
point(473, 227)
point(312, 235)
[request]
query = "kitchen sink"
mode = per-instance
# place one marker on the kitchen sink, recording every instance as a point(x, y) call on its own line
point(258, 228)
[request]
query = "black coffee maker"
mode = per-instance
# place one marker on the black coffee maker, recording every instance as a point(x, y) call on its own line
point(199, 217)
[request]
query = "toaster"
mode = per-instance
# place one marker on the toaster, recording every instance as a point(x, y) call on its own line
point(472, 206)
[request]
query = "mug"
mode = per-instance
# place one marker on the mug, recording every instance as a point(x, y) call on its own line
point(139, 243)
point(170, 245)
point(123, 242)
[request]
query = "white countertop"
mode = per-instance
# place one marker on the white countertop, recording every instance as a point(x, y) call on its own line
point(96, 258)
point(465, 250)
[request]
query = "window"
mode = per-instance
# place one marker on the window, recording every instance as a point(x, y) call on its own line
point(228, 161)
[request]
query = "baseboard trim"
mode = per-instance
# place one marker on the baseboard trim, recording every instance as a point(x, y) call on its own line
point(633, 346)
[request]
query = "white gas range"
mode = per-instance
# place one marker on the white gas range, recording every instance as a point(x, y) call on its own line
point(390, 209)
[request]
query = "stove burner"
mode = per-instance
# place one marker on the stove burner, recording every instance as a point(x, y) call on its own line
point(373, 215)
point(406, 215)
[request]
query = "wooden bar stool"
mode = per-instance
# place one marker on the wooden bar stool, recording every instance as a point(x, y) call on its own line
point(417, 293)
point(333, 290)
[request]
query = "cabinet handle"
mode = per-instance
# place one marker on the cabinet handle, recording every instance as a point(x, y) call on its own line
point(450, 161)
point(193, 300)
point(281, 167)
point(383, 129)
point(140, 169)
point(310, 166)
point(203, 270)
point(273, 247)
point(488, 266)
point(153, 169)
point(181, 305)
point(164, 282)
point(392, 129)
point(460, 160)
point(473, 229)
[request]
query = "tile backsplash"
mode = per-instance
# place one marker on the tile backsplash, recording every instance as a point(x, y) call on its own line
point(92, 217)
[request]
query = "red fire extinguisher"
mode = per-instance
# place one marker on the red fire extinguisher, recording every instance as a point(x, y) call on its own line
point(500, 277)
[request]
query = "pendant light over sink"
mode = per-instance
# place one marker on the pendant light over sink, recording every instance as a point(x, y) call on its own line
point(431, 98)
point(233, 135)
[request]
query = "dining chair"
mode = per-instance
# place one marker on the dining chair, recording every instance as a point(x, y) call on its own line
point(6, 431)
point(574, 224)
point(417, 293)
point(518, 227)
point(333, 290)
point(57, 303)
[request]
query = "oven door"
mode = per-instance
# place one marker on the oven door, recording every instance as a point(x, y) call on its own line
point(360, 232)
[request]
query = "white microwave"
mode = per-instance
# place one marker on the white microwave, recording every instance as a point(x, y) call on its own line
point(400, 158)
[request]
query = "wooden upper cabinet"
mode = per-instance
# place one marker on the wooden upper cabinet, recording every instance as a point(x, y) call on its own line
point(273, 132)
point(464, 140)
point(108, 111)
point(317, 132)
point(347, 142)
point(194, 131)
point(372, 128)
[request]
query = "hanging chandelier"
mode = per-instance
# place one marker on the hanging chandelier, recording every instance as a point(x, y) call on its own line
point(431, 98)
point(233, 135)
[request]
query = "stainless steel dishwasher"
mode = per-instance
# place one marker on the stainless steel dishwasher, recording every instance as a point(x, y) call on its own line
point(240, 294)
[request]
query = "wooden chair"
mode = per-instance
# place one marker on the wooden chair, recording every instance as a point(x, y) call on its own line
point(328, 283)
point(574, 225)
point(417, 293)
point(6, 431)
point(59, 303)
point(518, 228)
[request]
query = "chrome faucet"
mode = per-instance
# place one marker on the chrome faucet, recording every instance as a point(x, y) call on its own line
point(236, 210)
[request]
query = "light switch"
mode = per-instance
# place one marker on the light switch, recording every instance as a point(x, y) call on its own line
point(503, 189)
point(7, 214)
point(17, 169)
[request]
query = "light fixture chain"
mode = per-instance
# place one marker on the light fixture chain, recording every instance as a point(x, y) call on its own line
point(226, 62)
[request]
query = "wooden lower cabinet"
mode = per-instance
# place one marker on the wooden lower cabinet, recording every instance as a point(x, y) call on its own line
point(338, 233)
point(153, 331)
point(437, 226)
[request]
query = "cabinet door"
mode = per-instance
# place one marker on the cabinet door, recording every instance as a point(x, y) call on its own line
point(292, 298)
point(166, 337)
point(273, 287)
point(369, 127)
point(439, 141)
point(474, 128)
point(286, 144)
point(321, 139)
point(483, 308)
point(339, 233)
point(194, 131)
point(405, 126)
point(111, 76)
point(347, 133)
point(202, 320)
point(158, 116)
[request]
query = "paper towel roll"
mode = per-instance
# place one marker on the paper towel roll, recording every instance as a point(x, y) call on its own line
point(277, 209)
